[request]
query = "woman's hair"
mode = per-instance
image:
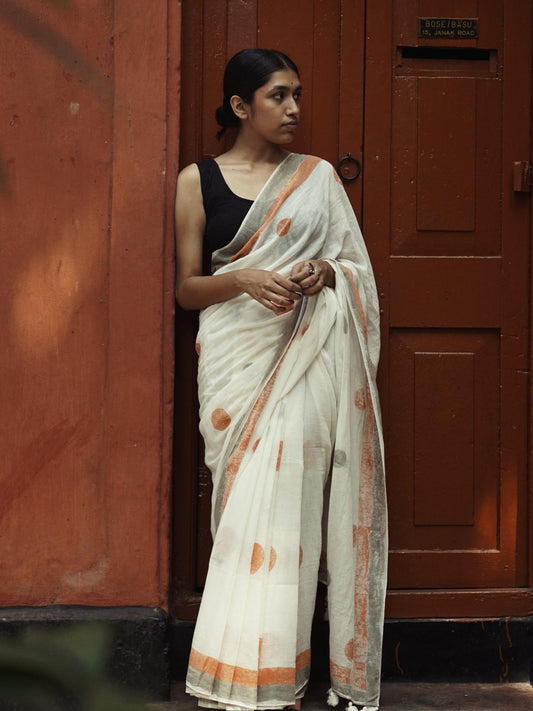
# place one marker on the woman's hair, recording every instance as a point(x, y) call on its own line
point(245, 72)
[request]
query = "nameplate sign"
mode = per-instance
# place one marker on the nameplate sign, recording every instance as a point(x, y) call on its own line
point(453, 28)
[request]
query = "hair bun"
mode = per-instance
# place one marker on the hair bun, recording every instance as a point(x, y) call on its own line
point(225, 116)
point(220, 116)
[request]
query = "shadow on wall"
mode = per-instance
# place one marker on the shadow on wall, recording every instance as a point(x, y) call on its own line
point(30, 27)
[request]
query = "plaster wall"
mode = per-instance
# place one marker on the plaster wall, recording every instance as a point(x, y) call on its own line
point(85, 301)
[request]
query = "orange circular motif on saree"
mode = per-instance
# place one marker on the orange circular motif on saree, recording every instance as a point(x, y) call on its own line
point(220, 419)
point(360, 399)
point(349, 649)
point(283, 226)
point(198, 349)
point(273, 558)
point(258, 558)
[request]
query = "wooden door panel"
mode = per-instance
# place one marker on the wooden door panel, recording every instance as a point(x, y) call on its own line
point(439, 292)
point(446, 164)
point(351, 68)
point(309, 32)
point(453, 287)
point(444, 390)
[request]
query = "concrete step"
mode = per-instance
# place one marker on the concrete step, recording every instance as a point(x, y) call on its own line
point(406, 696)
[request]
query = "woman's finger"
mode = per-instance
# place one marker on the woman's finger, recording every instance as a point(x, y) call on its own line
point(275, 306)
point(299, 272)
point(303, 272)
point(311, 279)
point(286, 288)
point(313, 284)
point(278, 292)
point(283, 297)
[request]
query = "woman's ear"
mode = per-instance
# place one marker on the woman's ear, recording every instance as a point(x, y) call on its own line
point(240, 107)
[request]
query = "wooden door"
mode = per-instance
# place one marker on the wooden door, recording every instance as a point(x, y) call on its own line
point(437, 125)
point(445, 119)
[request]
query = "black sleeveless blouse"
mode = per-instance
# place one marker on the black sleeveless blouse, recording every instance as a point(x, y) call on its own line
point(224, 210)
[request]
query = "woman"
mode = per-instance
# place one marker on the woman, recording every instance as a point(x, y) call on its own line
point(288, 345)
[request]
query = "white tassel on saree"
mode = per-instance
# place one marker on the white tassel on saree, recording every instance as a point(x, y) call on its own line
point(290, 417)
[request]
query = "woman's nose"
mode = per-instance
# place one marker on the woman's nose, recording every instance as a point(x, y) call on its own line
point(294, 107)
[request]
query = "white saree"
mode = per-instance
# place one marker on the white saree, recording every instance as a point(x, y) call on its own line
point(290, 417)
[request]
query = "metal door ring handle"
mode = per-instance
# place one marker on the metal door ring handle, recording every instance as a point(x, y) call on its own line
point(344, 170)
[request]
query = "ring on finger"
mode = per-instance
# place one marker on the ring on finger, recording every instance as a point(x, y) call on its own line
point(311, 268)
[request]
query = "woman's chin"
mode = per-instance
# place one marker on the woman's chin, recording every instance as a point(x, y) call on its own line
point(285, 139)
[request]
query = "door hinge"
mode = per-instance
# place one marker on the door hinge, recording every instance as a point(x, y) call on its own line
point(522, 176)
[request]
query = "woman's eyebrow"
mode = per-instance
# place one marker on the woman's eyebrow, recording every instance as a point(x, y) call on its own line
point(282, 87)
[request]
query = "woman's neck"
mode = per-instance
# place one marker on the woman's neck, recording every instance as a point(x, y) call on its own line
point(254, 152)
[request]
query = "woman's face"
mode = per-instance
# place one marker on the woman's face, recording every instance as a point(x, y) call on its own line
point(275, 110)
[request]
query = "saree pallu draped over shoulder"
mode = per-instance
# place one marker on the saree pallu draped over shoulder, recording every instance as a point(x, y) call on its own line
point(290, 417)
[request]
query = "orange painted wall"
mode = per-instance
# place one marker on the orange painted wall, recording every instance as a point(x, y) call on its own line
point(86, 299)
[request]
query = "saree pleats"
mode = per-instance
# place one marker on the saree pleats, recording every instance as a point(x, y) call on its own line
point(290, 418)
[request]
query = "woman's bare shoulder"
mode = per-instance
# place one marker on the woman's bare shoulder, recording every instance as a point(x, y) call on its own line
point(189, 176)
point(188, 187)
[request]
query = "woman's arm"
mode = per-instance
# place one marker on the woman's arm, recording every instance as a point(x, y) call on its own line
point(194, 291)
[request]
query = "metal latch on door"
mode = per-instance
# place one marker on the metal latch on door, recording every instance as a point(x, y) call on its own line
point(522, 176)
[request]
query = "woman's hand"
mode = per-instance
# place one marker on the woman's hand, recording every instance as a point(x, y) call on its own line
point(270, 289)
point(313, 275)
